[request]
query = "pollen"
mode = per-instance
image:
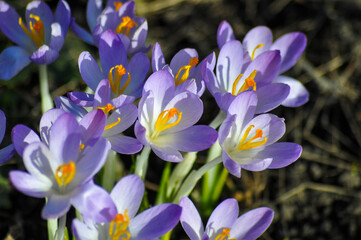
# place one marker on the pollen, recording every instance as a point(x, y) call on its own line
point(224, 235)
point(252, 142)
point(107, 108)
point(165, 120)
point(248, 82)
point(118, 226)
point(126, 25)
point(65, 173)
point(115, 79)
point(35, 30)
point(185, 70)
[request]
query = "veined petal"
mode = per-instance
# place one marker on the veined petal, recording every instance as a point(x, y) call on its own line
point(2, 125)
point(63, 16)
point(56, 206)
point(271, 96)
point(244, 106)
point(29, 185)
point(255, 37)
point(89, 70)
point(155, 221)
point(102, 94)
point(233, 167)
point(257, 164)
point(93, 10)
point(68, 106)
point(138, 68)
point(190, 219)
point(217, 221)
point(224, 34)
point(128, 194)
point(139, 37)
point(7, 153)
point(158, 61)
point(124, 144)
point(81, 99)
point(298, 94)
point(283, 154)
point(167, 153)
point(22, 136)
point(57, 37)
point(45, 54)
point(140, 133)
point(252, 224)
point(47, 121)
point(81, 32)
point(13, 60)
point(127, 114)
point(83, 232)
point(181, 58)
point(42, 10)
point(92, 125)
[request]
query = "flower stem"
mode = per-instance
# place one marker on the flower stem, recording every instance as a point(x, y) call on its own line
point(108, 178)
point(141, 164)
point(46, 100)
point(217, 121)
point(60, 232)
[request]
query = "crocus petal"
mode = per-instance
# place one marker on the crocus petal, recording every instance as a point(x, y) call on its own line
point(94, 203)
point(139, 37)
point(22, 136)
point(232, 167)
point(252, 224)
point(217, 221)
point(190, 219)
point(42, 10)
point(244, 106)
point(47, 121)
point(259, 164)
point(192, 139)
point(89, 70)
point(13, 60)
point(63, 16)
point(83, 232)
point(283, 154)
point(182, 58)
point(9, 25)
point(291, 47)
point(65, 138)
point(224, 34)
point(81, 98)
point(111, 51)
point(67, 105)
point(226, 127)
point(29, 185)
point(102, 94)
point(57, 37)
point(155, 221)
point(56, 206)
point(272, 126)
point(271, 96)
point(229, 64)
point(127, 115)
point(128, 194)
point(140, 132)
point(6, 153)
point(298, 93)
point(44, 55)
point(138, 68)
point(167, 153)
point(158, 61)
point(209, 76)
point(93, 10)
point(256, 36)
point(124, 144)
point(92, 126)
point(2, 125)
point(82, 33)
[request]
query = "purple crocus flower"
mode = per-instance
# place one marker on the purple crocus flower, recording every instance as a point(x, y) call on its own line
point(184, 67)
point(249, 142)
point(166, 119)
point(233, 76)
point(39, 38)
point(118, 16)
point(123, 78)
point(9, 151)
point(62, 171)
point(259, 40)
point(127, 195)
point(224, 222)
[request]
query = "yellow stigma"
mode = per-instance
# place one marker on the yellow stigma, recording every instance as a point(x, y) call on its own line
point(249, 144)
point(107, 108)
point(163, 119)
point(186, 68)
point(115, 81)
point(126, 25)
point(35, 30)
point(118, 227)
point(112, 124)
point(248, 82)
point(65, 173)
point(117, 5)
point(254, 50)
point(81, 147)
point(224, 235)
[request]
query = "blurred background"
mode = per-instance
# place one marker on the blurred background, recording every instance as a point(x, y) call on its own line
point(317, 197)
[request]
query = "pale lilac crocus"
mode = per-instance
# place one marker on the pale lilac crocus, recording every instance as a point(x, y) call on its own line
point(124, 78)
point(234, 76)
point(7, 152)
point(166, 118)
point(127, 195)
point(62, 171)
point(224, 222)
point(184, 67)
point(259, 40)
point(39, 38)
point(249, 141)
point(118, 16)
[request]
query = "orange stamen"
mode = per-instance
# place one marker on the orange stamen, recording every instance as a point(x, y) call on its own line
point(249, 144)
point(65, 173)
point(126, 25)
point(186, 68)
point(114, 82)
point(117, 5)
point(254, 50)
point(118, 226)
point(163, 119)
point(35, 30)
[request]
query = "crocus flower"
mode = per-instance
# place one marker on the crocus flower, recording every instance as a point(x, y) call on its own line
point(233, 76)
point(166, 119)
point(118, 16)
point(123, 78)
point(224, 222)
point(249, 142)
point(127, 195)
point(9, 151)
point(184, 67)
point(259, 40)
point(62, 171)
point(39, 38)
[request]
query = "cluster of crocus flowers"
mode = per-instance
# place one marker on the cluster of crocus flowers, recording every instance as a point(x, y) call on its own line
point(39, 37)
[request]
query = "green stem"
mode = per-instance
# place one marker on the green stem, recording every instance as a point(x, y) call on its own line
point(218, 119)
point(162, 193)
point(167, 235)
point(60, 232)
point(52, 225)
point(46, 100)
point(194, 177)
point(219, 186)
point(108, 178)
point(141, 164)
